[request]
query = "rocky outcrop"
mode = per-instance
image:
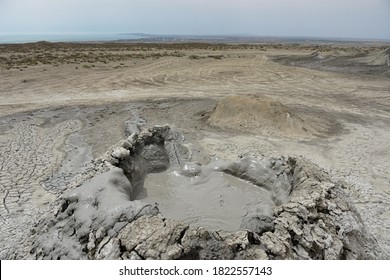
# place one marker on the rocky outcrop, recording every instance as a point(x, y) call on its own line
point(313, 219)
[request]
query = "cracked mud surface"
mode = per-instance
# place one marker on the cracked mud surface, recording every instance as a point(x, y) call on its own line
point(54, 122)
point(29, 155)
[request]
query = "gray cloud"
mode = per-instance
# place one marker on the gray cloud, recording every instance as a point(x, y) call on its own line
point(329, 18)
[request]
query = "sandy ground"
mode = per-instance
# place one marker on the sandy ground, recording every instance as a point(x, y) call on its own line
point(56, 117)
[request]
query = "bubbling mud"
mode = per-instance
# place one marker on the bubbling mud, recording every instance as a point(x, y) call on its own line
point(212, 199)
point(217, 196)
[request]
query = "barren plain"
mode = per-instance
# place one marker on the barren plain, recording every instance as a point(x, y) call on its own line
point(63, 105)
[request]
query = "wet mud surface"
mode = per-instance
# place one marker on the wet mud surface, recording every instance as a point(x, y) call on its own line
point(216, 201)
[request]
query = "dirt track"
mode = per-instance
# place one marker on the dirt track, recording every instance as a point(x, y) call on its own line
point(43, 106)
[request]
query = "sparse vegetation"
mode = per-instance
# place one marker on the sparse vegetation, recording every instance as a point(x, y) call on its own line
point(216, 56)
point(45, 53)
point(194, 56)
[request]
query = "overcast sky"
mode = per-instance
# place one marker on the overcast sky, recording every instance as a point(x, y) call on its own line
point(318, 18)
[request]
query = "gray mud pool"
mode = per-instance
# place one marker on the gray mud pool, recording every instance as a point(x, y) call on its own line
point(212, 199)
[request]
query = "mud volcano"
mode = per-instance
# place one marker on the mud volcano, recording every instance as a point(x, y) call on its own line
point(380, 57)
point(267, 117)
point(295, 211)
point(217, 196)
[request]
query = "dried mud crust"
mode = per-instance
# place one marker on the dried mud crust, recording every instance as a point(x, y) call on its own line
point(99, 220)
point(29, 154)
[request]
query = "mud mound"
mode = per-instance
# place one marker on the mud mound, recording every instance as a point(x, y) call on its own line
point(377, 58)
point(317, 56)
point(312, 217)
point(265, 116)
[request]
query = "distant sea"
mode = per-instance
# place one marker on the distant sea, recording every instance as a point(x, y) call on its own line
point(30, 38)
point(96, 37)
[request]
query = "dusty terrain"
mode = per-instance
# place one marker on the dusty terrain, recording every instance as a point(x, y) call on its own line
point(64, 104)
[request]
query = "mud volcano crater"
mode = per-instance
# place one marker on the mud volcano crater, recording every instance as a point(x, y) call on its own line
point(297, 212)
point(217, 196)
